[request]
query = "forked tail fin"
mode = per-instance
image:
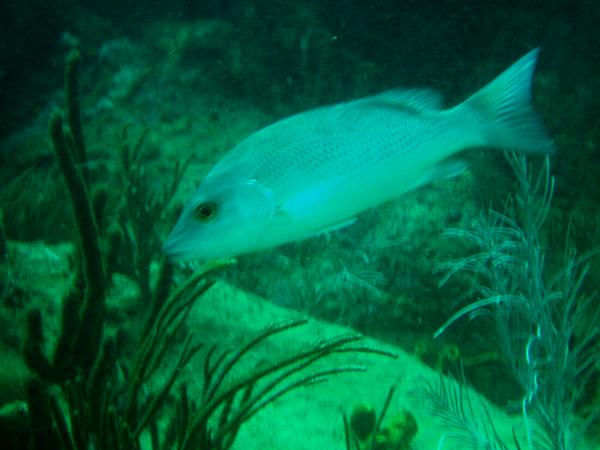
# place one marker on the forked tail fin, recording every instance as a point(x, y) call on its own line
point(506, 107)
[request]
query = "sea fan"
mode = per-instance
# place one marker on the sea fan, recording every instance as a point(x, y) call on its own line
point(535, 315)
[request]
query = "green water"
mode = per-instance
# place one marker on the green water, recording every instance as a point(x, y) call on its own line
point(103, 343)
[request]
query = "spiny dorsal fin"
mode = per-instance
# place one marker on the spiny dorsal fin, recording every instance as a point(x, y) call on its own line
point(411, 100)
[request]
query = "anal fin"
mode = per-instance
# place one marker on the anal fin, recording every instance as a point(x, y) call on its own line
point(337, 226)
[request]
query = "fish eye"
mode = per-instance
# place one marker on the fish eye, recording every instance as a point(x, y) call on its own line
point(205, 211)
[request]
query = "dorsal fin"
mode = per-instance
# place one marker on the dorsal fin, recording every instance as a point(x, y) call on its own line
point(411, 100)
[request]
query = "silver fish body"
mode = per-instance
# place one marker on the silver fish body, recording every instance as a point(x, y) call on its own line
point(319, 169)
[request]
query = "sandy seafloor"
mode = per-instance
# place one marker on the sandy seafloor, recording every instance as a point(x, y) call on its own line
point(311, 418)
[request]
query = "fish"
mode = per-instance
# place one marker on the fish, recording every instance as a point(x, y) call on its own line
point(317, 170)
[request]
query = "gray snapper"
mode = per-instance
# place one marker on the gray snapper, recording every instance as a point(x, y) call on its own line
point(316, 170)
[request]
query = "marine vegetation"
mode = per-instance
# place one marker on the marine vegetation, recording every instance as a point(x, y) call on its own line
point(366, 431)
point(85, 393)
point(467, 422)
point(545, 324)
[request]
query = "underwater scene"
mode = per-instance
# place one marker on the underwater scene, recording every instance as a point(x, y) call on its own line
point(299, 225)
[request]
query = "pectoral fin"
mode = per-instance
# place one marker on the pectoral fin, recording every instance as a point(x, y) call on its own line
point(336, 226)
point(444, 170)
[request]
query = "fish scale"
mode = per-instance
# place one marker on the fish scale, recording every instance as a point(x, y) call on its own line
point(281, 159)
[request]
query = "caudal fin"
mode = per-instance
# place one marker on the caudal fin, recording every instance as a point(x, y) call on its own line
point(506, 107)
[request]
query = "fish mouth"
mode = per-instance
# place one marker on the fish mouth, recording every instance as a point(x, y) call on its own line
point(176, 256)
point(177, 247)
point(174, 251)
point(173, 255)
